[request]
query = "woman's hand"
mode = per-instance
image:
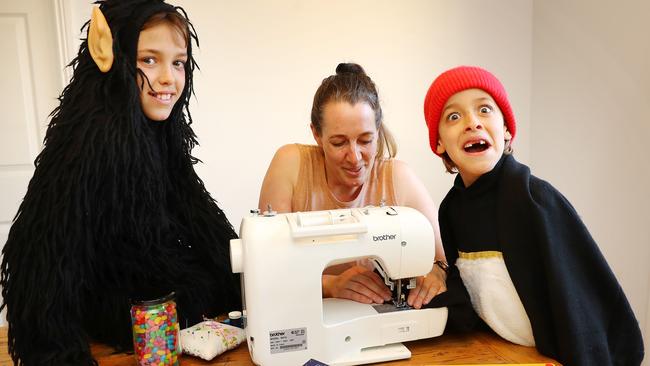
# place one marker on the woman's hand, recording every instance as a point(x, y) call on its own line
point(357, 283)
point(427, 287)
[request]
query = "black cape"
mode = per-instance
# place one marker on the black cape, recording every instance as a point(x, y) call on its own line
point(577, 309)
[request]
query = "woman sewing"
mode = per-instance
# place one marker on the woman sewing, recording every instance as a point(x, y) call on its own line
point(352, 165)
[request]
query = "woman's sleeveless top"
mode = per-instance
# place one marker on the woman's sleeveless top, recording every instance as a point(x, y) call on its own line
point(312, 193)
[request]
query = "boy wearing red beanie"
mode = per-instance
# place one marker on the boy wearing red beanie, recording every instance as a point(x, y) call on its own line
point(531, 269)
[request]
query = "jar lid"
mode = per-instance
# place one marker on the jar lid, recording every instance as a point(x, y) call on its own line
point(158, 301)
point(234, 315)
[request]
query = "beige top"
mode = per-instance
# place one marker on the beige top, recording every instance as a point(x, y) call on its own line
point(312, 193)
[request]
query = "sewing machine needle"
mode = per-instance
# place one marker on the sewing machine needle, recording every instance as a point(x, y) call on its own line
point(399, 293)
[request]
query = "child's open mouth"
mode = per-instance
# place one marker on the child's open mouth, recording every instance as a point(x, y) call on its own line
point(162, 97)
point(476, 146)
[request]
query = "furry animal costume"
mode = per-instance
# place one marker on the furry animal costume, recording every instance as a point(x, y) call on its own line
point(114, 212)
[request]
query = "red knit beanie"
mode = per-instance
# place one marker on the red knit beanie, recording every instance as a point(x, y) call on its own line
point(456, 80)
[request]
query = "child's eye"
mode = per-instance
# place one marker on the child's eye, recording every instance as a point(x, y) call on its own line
point(148, 60)
point(179, 63)
point(485, 109)
point(453, 116)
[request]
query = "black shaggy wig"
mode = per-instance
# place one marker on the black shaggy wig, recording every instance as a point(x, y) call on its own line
point(114, 212)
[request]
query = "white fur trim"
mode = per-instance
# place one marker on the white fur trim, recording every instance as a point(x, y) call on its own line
point(494, 297)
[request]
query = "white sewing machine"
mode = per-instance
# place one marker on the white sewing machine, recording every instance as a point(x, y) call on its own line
point(282, 258)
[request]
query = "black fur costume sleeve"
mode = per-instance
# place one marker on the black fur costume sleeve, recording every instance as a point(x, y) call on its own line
point(578, 311)
point(114, 211)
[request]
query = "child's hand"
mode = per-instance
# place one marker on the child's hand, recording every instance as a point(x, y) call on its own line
point(427, 287)
point(357, 283)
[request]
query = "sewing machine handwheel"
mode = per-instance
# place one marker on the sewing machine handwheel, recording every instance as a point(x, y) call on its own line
point(236, 255)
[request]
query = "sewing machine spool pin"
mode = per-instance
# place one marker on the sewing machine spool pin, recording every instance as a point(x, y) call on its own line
point(269, 211)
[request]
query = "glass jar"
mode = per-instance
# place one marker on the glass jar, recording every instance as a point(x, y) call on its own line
point(155, 331)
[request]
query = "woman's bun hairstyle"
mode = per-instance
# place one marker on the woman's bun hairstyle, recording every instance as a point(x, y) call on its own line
point(349, 68)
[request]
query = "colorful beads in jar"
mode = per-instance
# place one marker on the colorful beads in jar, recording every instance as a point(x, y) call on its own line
point(155, 332)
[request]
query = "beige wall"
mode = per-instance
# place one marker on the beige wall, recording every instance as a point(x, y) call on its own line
point(263, 60)
point(590, 125)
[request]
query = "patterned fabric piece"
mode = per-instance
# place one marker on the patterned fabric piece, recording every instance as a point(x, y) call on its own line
point(210, 338)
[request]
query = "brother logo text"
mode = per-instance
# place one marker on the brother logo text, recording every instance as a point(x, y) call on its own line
point(384, 237)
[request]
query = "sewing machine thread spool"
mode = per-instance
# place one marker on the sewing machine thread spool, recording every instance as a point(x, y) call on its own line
point(155, 331)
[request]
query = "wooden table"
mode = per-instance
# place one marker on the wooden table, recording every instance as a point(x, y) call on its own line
point(481, 347)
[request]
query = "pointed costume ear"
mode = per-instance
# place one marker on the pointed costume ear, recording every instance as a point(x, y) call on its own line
point(100, 41)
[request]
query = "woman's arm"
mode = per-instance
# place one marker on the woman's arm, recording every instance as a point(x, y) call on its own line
point(410, 192)
point(280, 178)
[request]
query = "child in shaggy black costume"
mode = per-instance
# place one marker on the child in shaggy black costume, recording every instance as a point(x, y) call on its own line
point(115, 211)
point(531, 269)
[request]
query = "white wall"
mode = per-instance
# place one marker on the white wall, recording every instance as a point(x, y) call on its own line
point(262, 62)
point(590, 125)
